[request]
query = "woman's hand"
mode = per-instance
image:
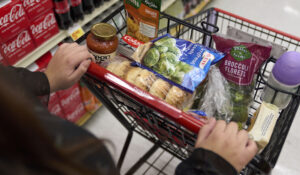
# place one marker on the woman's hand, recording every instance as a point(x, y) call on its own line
point(228, 142)
point(67, 66)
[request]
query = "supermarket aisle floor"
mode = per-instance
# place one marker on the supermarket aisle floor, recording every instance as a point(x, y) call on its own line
point(282, 15)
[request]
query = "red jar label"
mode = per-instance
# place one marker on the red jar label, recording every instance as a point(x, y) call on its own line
point(61, 7)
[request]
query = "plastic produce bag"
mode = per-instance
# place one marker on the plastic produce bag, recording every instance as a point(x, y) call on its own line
point(180, 61)
point(216, 100)
point(239, 66)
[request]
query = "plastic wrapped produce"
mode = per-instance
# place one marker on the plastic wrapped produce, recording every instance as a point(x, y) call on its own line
point(180, 61)
point(238, 67)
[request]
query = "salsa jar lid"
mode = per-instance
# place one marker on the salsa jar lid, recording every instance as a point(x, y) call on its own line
point(104, 31)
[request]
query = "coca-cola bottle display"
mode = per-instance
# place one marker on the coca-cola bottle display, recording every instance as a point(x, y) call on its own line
point(63, 14)
point(97, 3)
point(88, 6)
point(76, 10)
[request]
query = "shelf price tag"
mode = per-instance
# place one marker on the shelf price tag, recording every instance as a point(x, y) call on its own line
point(75, 32)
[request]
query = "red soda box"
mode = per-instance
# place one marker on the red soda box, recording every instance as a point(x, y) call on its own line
point(43, 27)
point(16, 48)
point(70, 98)
point(76, 112)
point(13, 19)
point(2, 60)
point(56, 109)
point(34, 8)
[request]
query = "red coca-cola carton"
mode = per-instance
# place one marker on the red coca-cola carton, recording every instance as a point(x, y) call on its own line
point(16, 48)
point(43, 27)
point(13, 19)
point(2, 60)
point(69, 98)
point(56, 109)
point(75, 113)
point(54, 105)
point(35, 8)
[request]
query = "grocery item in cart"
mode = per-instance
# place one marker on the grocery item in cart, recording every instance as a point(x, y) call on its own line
point(241, 62)
point(128, 45)
point(215, 100)
point(102, 42)
point(277, 50)
point(149, 82)
point(142, 19)
point(265, 120)
point(180, 61)
point(284, 76)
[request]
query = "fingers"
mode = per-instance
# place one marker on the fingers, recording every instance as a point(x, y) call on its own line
point(220, 127)
point(243, 137)
point(82, 68)
point(232, 129)
point(205, 131)
point(251, 147)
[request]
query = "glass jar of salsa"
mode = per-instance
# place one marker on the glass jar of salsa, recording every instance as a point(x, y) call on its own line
point(102, 42)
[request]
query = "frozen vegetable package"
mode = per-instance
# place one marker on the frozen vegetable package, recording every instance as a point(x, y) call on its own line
point(180, 61)
point(239, 66)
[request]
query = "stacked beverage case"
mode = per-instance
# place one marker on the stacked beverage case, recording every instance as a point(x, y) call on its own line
point(68, 12)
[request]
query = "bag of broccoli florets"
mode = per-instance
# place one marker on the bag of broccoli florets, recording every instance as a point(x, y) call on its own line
point(181, 62)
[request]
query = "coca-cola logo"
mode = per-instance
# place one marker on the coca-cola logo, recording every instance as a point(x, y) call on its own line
point(48, 21)
point(56, 109)
point(132, 41)
point(30, 3)
point(71, 97)
point(76, 112)
point(15, 13)
point(20, 41)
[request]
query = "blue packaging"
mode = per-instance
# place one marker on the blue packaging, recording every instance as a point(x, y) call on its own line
point(180, 61)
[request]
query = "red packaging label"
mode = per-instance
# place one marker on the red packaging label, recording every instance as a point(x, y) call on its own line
point(53, 99)
point(132, 41)
point(43, 61)
point(76, 113)
point(13, 20)
point(75, 3)
point(35, 8)
point(61, 7)
point(43, 28)
point(56, 109)
point(242, 59)
point(16, 48)
point(70, 98)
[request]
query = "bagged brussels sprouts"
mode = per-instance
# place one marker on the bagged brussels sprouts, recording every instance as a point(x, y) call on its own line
point(181, 62)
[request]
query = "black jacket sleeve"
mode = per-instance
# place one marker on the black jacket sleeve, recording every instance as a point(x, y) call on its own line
point(205, 162)
point(35, 82)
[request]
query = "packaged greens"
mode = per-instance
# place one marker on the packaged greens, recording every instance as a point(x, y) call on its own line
point(241, 62)
point(180, 61)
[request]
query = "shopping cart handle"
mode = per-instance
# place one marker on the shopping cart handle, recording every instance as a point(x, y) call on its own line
point(186, 120)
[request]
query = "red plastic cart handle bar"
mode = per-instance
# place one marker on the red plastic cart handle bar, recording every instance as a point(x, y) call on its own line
point(178, 116)
point(258, 24)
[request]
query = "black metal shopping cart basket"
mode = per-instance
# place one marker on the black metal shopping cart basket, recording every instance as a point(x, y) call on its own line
point(167, 127)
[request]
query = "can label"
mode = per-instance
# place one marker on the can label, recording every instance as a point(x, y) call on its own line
point(61, 7)
point(100, 58)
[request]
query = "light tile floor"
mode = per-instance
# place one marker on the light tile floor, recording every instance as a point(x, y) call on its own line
point(282, 15)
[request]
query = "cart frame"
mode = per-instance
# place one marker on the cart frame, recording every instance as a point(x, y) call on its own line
point(167, 127)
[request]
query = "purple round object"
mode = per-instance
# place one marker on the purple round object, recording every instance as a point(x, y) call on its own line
point(287, 68)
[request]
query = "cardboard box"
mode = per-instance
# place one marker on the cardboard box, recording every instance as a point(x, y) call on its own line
point(75, 113)
point(13, 19)
point(43, 27)
point(16, 48)
point(2, 60)
point(34, 8)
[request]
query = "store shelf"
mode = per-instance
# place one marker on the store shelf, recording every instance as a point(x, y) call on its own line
point(86, 117)
point(63, 34)
point(198, 8)
point(166, 4)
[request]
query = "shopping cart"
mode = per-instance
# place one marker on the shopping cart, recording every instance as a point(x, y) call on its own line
point(167, 127)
